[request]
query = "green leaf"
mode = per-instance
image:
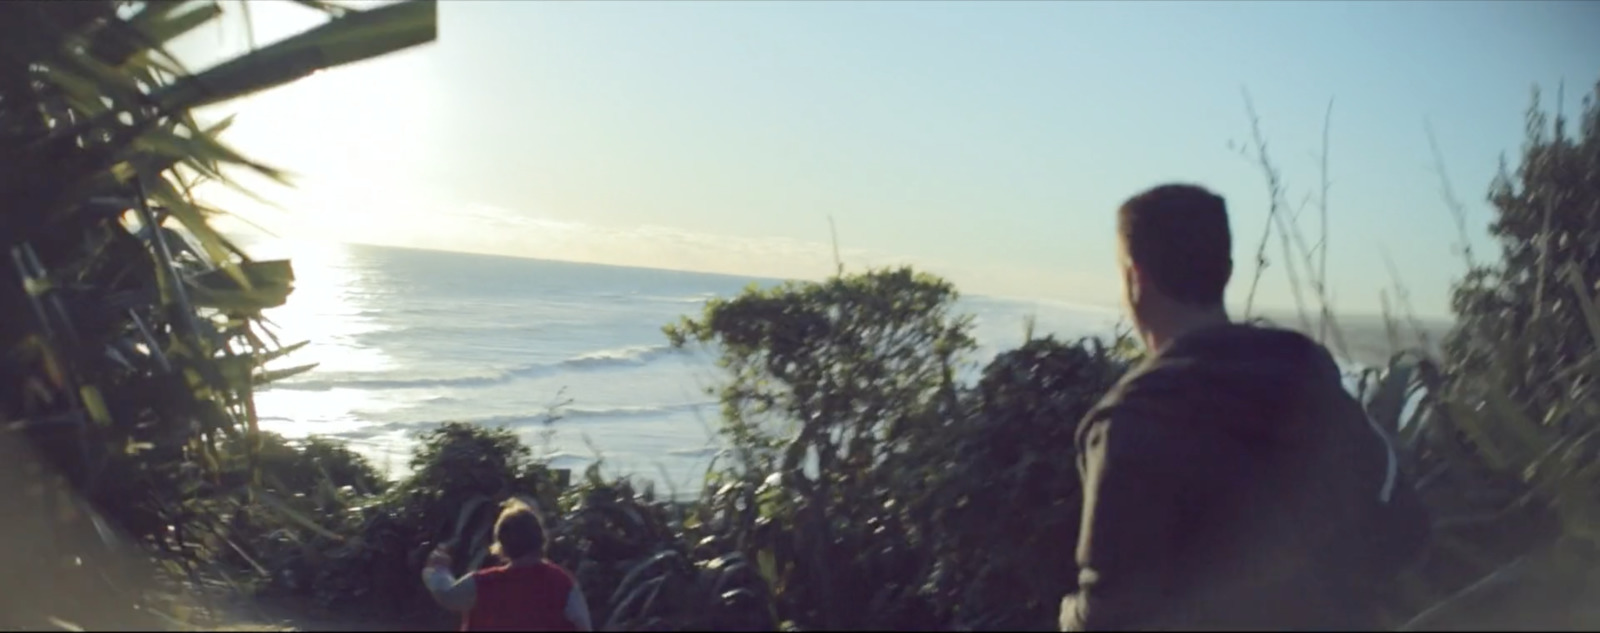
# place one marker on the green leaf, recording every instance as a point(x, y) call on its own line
point(83, 94)
point(267, 357)
point(190, 216)
point(353, 38)
point(119, 42)
point(159, 32)
point(767, 562)
point(277, 505)
point(202, 152)
point(221, 126)
point(95, 404)
point(1530, 436)
point(480, 545)
point(1474, 427)
point(164, 143)
point(468, 510)
point(280, 374)
point(330, 8)
point(269, 285)
point(1586, 303)
point(150, 29)
point(236, 370)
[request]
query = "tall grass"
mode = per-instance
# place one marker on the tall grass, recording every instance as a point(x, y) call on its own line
point(1511, 479)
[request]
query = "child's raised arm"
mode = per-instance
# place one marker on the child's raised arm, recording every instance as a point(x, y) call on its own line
point(450, 593)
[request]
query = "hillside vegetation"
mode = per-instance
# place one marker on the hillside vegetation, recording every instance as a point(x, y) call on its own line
point(864, 486)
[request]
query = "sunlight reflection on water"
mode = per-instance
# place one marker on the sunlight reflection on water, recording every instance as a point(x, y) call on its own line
point(330, 306)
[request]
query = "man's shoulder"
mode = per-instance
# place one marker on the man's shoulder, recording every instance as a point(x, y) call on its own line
point(1234, 339)
point(1146, 407)
point(1224, 382)
point(1144, 388)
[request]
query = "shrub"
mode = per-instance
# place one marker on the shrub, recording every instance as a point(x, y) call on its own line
point(896, 498)
point(860, 369)
point(1507, 447)
point(131, 338)
point(1007, 509)
point(1498, 431)
point(362, 554)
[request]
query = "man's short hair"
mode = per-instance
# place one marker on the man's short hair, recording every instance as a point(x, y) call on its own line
point(1177, 236)
point(518, 532)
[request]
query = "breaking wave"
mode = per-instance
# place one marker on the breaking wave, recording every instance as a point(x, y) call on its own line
point(620, 358)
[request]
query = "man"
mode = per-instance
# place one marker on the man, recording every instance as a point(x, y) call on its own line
point(1229, 481)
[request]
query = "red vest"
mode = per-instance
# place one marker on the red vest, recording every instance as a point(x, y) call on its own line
point(522, 598)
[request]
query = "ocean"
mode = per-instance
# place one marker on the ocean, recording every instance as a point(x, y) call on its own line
point(405, 339)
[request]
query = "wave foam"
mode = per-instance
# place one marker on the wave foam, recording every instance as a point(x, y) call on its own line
point(632, 412)
point(522, 421)
point(621, 358)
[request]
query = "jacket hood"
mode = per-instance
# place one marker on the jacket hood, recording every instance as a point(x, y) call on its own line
point(1249, 381)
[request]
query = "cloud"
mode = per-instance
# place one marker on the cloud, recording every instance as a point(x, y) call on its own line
point(419, 218)
point(490, 230)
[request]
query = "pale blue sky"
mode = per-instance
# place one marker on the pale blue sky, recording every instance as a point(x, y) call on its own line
point(990, 142)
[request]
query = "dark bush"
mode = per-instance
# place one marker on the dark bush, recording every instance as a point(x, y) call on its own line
point(1006, 513)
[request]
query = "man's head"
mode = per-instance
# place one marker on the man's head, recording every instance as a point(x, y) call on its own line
point(518, 533)
point(1176, 253)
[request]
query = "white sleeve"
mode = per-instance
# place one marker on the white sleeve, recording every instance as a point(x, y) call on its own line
point(452, 594)
point(578, 609)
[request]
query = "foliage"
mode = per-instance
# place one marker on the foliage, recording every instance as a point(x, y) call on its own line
point(365, 553)
point(868, 489)
point(1546, 215)
point(898, 507)
point(1499, 432)
point(627, 550)
point(1516, 401)
point(313, 464)
point(808, 353)
point(132, 337)
point(892, 502)
point(861, 367)
point(1006, 569)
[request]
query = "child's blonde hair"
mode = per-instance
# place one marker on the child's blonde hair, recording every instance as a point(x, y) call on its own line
point(519, 532)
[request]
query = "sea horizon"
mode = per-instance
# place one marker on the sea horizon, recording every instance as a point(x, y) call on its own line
point(407, 338)
point(1281, 315)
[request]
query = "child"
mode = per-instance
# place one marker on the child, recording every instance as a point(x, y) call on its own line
point(527, 594)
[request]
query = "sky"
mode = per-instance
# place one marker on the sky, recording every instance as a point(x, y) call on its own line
point(987, 142)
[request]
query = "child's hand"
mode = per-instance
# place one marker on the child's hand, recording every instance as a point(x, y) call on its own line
point(440, 557)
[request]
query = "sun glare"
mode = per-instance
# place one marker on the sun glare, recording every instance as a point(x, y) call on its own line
point(329, 307)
